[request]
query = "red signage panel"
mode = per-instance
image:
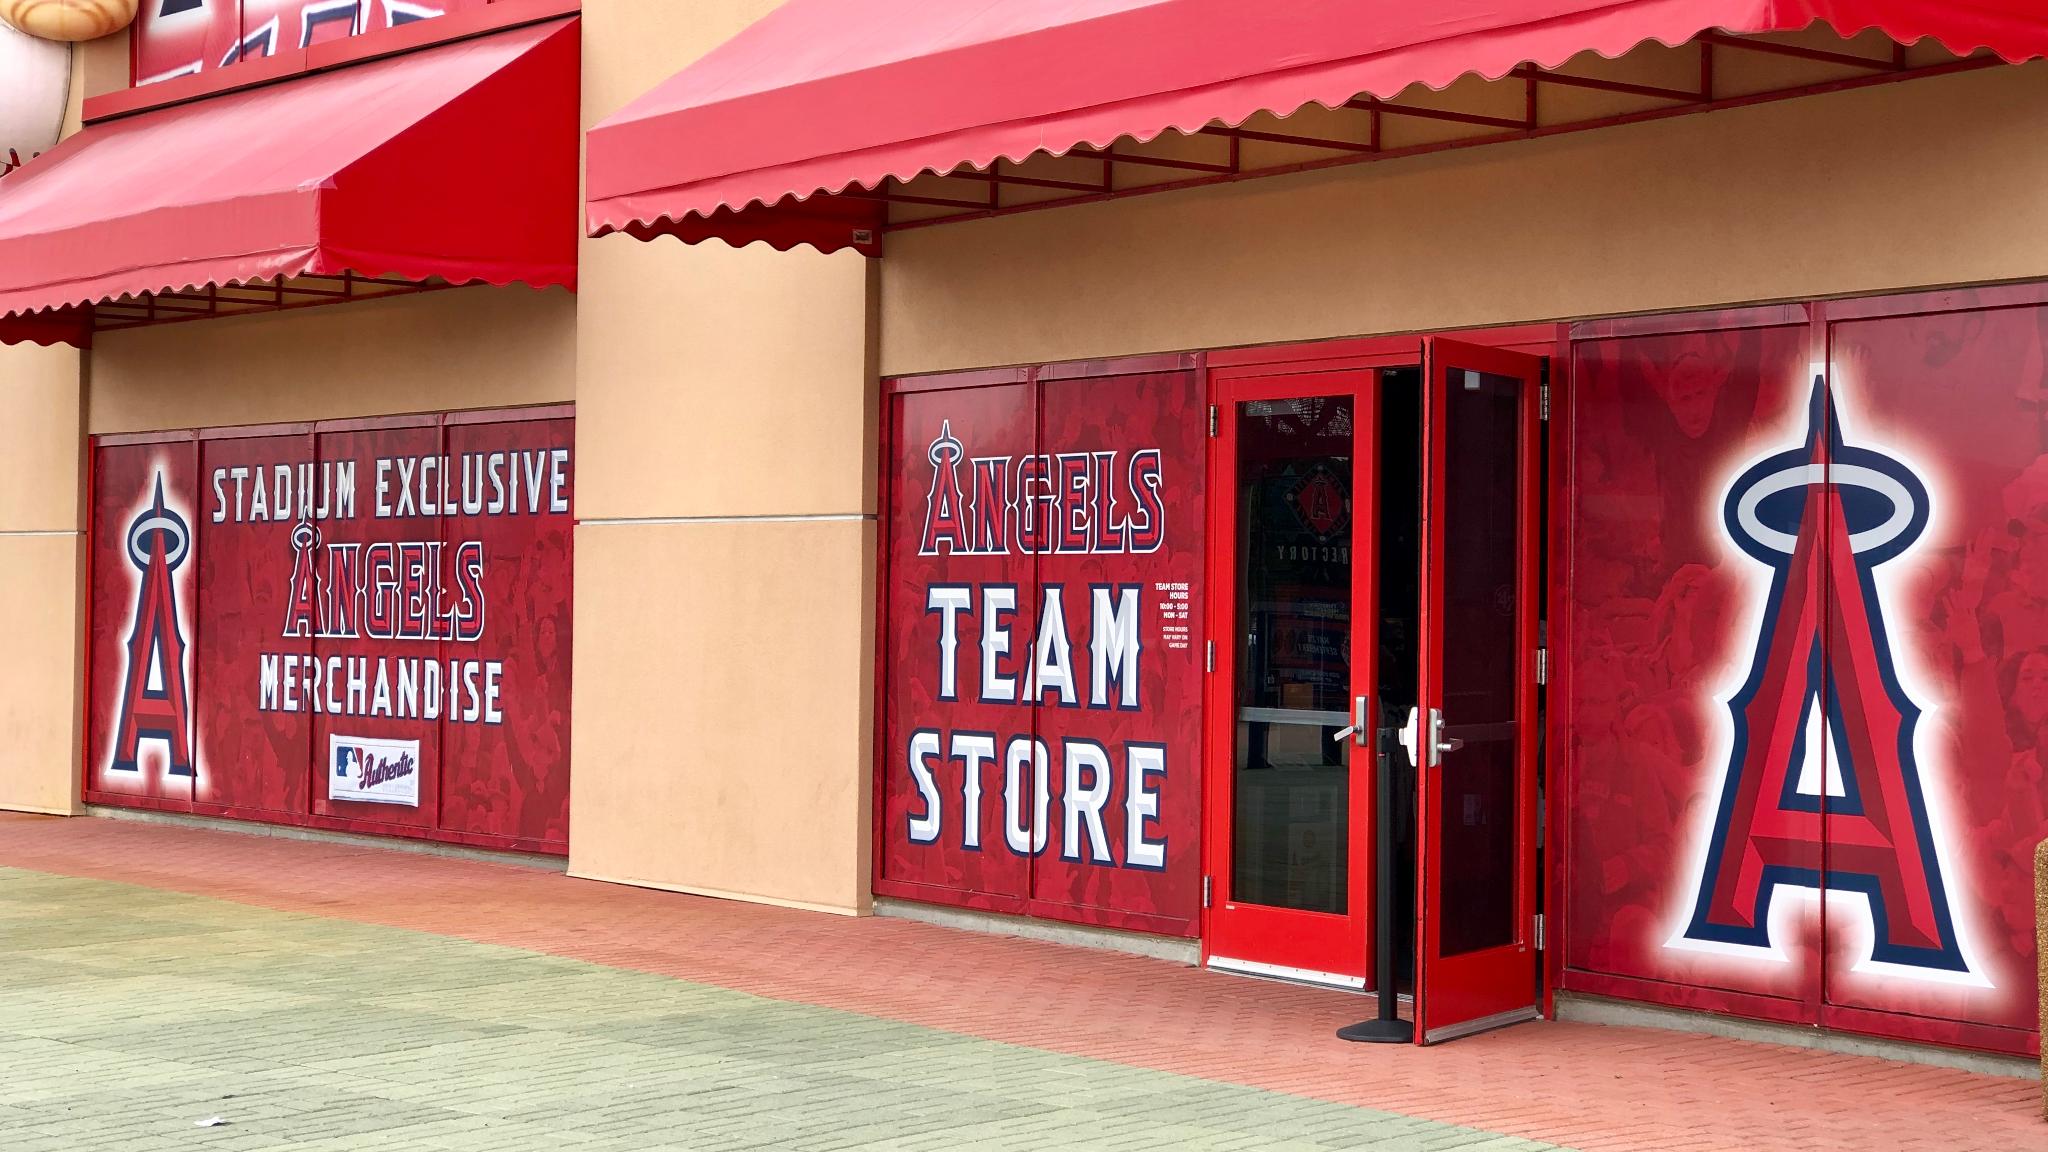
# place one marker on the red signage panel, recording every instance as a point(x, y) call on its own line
point(510, 776)
point(1120, 716)
point(254, 758)
point(1660, 612)
point(963, 774)
point(173, 38)
point(1041, 731)
point(139, 745)
point(364, 627)
point(1803, 779)
point(382, 682)
point(1941, 656)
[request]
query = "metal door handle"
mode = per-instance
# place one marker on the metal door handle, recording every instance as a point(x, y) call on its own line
point(1435, 747)
point(1357, 729)
point(1439, 745)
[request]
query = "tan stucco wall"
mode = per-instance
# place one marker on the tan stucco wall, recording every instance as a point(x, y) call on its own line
point(40, 552)
point(724, 649)
point(436, 351)
point(1931, 182)
point(717, 382)
point(722, 707)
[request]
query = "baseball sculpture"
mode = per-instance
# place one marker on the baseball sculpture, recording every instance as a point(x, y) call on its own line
point(68, 20)
point(35, 67)
point(35, 78)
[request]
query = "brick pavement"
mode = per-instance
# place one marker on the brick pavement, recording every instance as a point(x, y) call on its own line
point(130, 1014)
point(1083, 1021)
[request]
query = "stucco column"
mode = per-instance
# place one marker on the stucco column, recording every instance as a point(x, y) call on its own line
point(42, 549)
point(2041, 952)
point(725, 550)
point(42, 532)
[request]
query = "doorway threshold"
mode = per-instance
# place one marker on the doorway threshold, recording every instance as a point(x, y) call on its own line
point(1288, 975)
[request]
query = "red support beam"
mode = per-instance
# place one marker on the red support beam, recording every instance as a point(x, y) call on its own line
point(1026, 181)
point(1651, 91)
point(1374, 103)
point(242, 299)
point(1285, 138)
point(907, 198)
point(1112, 156)
point(1847, 59)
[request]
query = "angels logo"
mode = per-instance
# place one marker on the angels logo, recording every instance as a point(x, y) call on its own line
point(1823, 688)
point(1100, 503)
point(154, 701)
point(1321, 504)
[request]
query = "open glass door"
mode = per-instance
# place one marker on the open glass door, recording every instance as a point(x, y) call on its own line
point(1473, 738)
point(1290, 732)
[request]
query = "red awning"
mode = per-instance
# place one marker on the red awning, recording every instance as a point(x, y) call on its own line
point(822, 96)
point(457, 162)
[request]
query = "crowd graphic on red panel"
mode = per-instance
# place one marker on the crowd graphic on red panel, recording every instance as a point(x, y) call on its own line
point(1664, 621)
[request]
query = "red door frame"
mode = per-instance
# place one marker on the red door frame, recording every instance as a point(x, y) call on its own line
point(1552, 341)
point(1473, 991)
point(1286, 940)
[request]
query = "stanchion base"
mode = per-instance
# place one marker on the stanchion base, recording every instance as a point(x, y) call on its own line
point(1379, 1032)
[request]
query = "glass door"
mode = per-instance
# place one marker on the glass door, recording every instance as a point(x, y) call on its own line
point(1290, 736)
point(1473, 737)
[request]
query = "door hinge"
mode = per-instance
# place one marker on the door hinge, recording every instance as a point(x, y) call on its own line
point(1209, 656)
point(1539, 931)
point(1542, 667)
point(1542, 401)
point(1212, 420)
point(1208, 888)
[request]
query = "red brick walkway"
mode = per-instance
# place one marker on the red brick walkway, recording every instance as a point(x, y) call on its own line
point(1583, 1086)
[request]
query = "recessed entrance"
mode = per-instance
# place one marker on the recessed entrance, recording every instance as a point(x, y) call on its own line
point(1375, 562)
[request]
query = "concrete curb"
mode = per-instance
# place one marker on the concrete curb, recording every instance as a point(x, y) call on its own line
point(322, 836)
point(1600, 1010)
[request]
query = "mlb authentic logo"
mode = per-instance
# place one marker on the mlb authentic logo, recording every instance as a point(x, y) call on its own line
point(373, 771)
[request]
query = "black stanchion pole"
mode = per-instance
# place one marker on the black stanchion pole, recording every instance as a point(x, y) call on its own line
point(1387, 1027)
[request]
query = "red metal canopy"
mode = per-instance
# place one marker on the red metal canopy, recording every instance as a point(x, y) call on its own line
point(457, 162)
point(824, 96)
